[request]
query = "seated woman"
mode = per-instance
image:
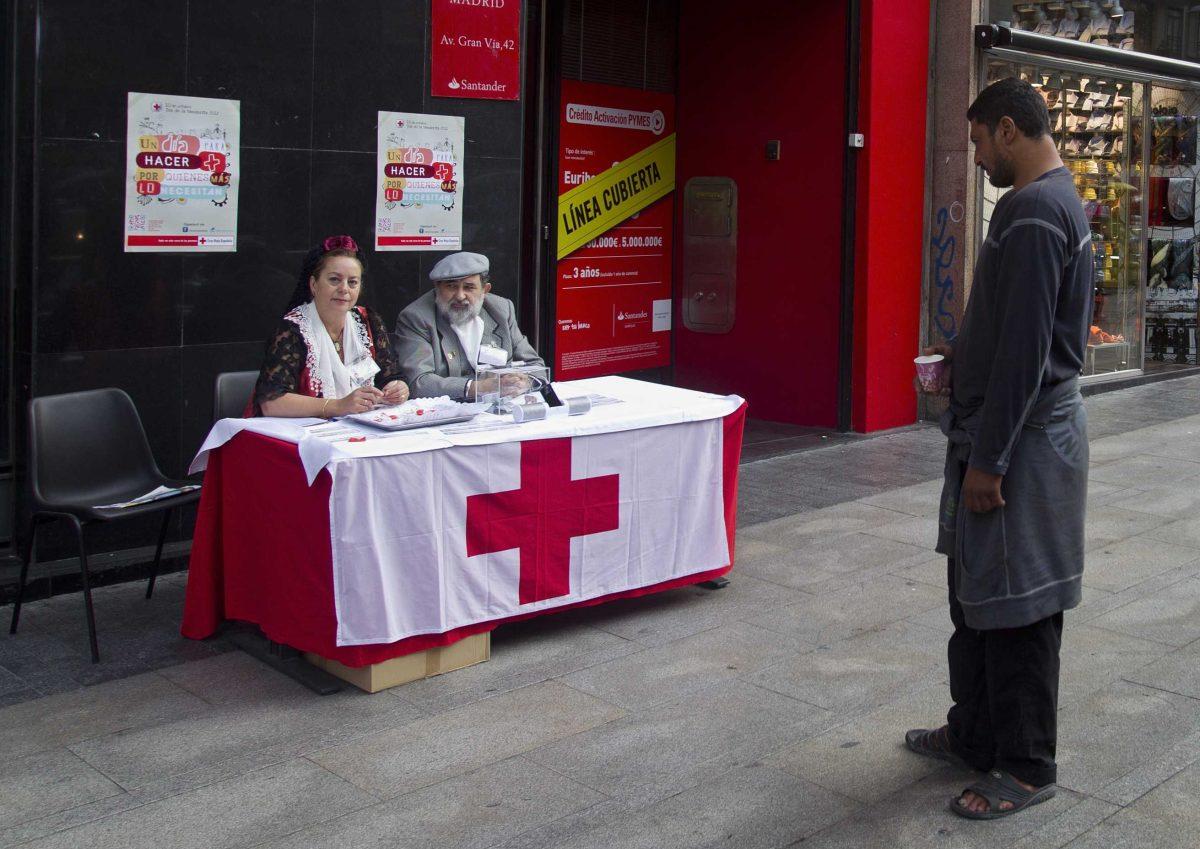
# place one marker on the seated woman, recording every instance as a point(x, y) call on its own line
point(328, 357)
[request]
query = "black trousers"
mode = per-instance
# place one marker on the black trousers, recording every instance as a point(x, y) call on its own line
point(1004, 684)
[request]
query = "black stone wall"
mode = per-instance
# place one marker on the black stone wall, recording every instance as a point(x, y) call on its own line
point(311, 76)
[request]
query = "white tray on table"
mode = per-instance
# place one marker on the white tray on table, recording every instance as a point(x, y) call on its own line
point(388, 418)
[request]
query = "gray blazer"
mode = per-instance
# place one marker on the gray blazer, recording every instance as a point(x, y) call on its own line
point(431, 356)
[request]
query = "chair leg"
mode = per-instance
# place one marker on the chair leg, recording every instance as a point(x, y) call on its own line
point(26, 560)
point(162, 537)
point(87, 590)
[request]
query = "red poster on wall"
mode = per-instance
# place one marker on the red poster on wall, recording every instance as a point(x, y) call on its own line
point(613, 306)
point(476, 50)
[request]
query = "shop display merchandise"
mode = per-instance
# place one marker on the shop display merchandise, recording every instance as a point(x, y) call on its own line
point(1092, 23)
point(1131, 141)
point(1091, 120)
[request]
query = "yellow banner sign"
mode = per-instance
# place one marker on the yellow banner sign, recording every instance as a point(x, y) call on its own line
point(607, 199)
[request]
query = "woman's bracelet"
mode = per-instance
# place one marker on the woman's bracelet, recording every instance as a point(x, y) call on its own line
point(323, 406)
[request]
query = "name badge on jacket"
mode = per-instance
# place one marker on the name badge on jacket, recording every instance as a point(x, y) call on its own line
point(490, 355)
point(362, 373)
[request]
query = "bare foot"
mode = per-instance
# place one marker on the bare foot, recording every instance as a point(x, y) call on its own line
point(974, 802)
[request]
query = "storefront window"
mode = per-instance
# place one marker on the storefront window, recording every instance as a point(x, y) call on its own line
point(1162, 27)
point(1171, 291)
point(1097, 126)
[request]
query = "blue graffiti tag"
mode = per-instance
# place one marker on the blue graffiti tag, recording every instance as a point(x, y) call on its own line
point(944, 247)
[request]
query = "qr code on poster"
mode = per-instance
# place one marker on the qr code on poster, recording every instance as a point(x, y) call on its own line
point(137, 222)
point(385, 225)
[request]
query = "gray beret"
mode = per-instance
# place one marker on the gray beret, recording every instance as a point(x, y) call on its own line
point(462, 264)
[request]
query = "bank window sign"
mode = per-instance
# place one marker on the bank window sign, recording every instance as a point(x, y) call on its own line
point(476, 51)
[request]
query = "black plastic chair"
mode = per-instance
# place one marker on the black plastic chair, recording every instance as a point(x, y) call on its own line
point(232, 393)
point(85, 449)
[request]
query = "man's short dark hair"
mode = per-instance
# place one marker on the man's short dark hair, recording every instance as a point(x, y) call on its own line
point(1018, 100)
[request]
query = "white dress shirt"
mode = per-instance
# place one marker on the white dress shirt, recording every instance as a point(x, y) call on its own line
point(470, 335)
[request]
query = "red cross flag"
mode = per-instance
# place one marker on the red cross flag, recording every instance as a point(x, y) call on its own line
point(432, 541)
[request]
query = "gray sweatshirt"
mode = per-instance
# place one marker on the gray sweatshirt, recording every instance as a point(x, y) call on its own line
point(1027, 319)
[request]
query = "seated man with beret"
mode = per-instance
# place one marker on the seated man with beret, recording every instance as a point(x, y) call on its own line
point(442, 335)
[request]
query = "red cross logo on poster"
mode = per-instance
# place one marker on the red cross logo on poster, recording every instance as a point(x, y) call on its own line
point(542, 516)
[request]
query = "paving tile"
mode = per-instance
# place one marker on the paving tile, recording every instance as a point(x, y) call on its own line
point(931, 571)
point(1185, 532)
point(660, 745)
point(829, 521)
point(920, 499)
point(533, 651)
point(819, 560)
point(1108, 449)
point(1096, 602)
point(866, 758)
point(1170, 616)
point(36, 785)
point(1100, 493)
point(862, 673)
point(1129, 562)
point(1145, 470)
point(1178, 500)
point(921, 531)
point(240, 812)
point(138, 757)
point(479, 809)
point(852, 610)
point(1109, 523)
point(669, 672)
point(917, 816)
point(753, 807)
point(1131, 829)
point(1093, 658)
point(936, 618)
point(1177, 757)
point(1176, 672)
point(449, 744)
point(1118, 730)
point(1174, 801)
point(82, 714)
point(1068, 825)
point(14, 697)
point(657, 619)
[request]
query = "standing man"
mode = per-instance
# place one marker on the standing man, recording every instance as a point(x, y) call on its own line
point(1012, 508)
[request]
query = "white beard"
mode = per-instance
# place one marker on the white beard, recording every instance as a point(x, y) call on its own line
point(458, 318)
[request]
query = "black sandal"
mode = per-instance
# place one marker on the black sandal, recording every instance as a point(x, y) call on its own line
point(996, 788)
point(934, 743)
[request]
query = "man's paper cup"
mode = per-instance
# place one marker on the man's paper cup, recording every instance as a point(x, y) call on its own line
point(931, 373)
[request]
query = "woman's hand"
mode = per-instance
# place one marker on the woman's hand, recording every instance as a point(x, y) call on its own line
point(359, 401)
point(395, 392)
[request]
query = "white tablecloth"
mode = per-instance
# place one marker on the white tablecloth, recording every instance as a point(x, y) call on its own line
point(641, 405)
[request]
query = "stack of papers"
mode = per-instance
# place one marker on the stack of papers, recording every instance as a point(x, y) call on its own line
point(156, 494)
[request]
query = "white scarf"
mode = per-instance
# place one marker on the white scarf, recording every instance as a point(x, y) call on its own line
point(336, 380)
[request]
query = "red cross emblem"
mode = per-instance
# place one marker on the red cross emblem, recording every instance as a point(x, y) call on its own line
point(542, 516)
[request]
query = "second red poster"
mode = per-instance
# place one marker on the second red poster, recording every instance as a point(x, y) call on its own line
point(613, 306)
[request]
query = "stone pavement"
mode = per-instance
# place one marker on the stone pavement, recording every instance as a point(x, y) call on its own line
point(768, 714)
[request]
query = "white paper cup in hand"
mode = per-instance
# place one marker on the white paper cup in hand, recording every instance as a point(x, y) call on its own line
point(931, 373)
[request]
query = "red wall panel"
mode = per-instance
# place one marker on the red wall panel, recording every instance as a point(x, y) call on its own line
point(744, 78)
point(891, 188)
